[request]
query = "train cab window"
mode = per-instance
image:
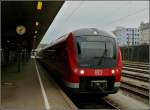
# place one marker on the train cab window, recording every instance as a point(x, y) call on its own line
point(96, 51)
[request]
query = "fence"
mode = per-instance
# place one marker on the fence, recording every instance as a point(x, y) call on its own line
point(136, 53)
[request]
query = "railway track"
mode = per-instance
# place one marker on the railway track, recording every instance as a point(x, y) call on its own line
point(137, 66)
point(92, 102)
point(137, 79)
point(144, 71)
point(136, 71)
point(138, 90)
point(137, 63)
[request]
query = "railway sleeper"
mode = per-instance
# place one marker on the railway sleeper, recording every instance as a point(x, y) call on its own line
point(141, 78)
point(135, 90)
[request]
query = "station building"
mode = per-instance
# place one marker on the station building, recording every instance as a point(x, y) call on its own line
point(127, 36)
point(144, 33)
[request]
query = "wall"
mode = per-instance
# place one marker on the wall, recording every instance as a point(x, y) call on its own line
point(136, 53)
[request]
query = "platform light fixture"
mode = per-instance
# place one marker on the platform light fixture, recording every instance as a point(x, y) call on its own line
point(35, 32)
point(39, 5)
point(36, 23)
point(35, 36)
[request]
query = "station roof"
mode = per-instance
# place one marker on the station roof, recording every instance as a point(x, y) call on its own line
point(24, 23)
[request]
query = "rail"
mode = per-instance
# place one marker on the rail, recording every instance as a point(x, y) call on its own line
point(141, 91)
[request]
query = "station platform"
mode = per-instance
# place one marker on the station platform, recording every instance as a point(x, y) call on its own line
point(32, 89)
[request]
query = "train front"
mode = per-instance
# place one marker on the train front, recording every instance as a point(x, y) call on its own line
point(97, 65)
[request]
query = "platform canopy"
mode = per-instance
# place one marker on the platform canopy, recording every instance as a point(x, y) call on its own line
point(24, 23)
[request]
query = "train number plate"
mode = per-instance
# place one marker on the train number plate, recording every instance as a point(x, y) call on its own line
point(98, 72)
point(98, 84)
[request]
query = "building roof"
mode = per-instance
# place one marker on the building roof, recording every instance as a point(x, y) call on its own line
point(144, 26)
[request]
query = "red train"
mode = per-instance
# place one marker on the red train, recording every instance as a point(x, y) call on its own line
point(86, 60)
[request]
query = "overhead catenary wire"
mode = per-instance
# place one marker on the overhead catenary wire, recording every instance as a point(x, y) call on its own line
point(78, 6)
point(124, 17)
point(70, 15)
point(111, 14)
point(55, 19)
point(81, 3)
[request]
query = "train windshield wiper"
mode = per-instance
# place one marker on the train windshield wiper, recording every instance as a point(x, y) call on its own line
point(104, 53)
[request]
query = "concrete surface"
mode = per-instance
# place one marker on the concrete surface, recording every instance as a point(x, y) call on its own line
point(125, 102)
point(22, 91)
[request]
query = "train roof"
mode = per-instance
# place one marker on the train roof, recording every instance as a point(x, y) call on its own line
point(92, 31)
point(81, 32)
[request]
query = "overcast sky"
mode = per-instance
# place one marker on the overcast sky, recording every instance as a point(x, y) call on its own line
point(106, 15)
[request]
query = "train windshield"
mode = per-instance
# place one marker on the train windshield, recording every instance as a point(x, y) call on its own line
point(96, 51)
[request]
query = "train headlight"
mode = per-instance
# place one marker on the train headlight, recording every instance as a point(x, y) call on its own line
point(81, 71)
point(113, 71)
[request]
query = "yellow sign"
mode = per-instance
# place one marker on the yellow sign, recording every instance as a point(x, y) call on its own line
point(39, 6)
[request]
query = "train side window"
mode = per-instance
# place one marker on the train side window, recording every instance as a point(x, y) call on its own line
point(78, 48)
point(62, 53)
point(51, 54)
point(58, 54)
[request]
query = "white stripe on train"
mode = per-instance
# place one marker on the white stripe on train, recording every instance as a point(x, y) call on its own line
point(71, 85)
